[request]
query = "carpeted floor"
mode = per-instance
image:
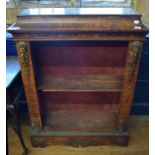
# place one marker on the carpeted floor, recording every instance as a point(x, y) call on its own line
point(138, 144)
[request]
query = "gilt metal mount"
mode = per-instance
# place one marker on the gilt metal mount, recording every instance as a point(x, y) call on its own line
point(24, 56)
point(134, 56)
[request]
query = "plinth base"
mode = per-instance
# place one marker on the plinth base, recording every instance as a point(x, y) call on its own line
point(78, 139)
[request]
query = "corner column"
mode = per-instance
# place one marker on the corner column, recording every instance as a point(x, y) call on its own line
point(26, 65)
point(129, 81)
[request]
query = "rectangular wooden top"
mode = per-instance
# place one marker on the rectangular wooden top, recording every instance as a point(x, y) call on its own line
point(78, 11)
point(78, 24)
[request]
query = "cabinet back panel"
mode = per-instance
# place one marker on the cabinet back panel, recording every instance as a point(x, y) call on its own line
point(80, 70)
point(77, 101)
point(80, 120)
point(70, 56)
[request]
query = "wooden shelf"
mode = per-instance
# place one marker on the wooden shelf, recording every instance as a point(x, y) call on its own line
point(82, 83)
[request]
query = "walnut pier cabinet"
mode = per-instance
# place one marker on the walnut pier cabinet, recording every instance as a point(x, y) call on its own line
point(79, 68)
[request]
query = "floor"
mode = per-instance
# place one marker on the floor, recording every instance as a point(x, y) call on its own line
point(138, 144)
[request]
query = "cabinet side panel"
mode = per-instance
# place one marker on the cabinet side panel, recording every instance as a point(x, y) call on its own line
point(25, 60)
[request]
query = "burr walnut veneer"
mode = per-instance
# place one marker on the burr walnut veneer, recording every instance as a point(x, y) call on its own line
point(79, 67)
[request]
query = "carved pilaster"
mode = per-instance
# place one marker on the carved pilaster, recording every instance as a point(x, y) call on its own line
point(28, 77)
point(129, 81)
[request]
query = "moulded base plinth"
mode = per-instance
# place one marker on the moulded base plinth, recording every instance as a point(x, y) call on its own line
point(78, 139)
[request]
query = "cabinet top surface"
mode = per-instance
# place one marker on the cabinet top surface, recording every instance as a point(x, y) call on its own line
point(77, 11)
point(77, 23)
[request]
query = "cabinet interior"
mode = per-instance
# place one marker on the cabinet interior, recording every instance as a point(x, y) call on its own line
point(79, 82)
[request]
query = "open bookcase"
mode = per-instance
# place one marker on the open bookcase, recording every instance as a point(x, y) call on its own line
point(79, 83)
point(79, 69)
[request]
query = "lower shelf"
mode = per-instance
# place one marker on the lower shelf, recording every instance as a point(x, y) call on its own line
point(88, 120)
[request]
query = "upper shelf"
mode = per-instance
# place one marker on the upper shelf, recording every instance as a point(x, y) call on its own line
point(80, 83)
